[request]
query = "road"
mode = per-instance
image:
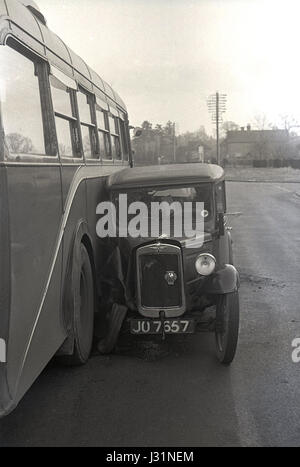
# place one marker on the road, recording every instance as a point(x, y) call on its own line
point(175, 393)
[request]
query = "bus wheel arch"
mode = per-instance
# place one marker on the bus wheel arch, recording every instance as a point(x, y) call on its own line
point(87, 242)
point(80, 273)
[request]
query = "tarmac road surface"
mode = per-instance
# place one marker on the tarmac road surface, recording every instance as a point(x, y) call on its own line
point(175, 393)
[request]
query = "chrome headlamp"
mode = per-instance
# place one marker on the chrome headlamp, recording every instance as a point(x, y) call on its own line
point(205, 264)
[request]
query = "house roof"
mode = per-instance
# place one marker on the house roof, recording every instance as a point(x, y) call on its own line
point(162, 175)
point(24, 21)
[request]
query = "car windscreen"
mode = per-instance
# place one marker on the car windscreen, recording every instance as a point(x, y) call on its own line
point(201, 193)
point(186, 197)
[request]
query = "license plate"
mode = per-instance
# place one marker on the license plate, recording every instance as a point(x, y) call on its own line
point(171, 326)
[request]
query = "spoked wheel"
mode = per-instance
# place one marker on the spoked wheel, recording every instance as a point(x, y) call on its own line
point(84, 302)
point(227, 327)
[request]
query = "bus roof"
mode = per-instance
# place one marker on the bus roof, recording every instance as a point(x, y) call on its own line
point(23, 21)
point(164, 175)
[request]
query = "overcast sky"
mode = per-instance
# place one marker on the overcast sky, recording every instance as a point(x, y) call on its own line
point(164, 57)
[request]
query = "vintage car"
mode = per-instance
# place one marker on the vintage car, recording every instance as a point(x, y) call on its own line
point(167, 284)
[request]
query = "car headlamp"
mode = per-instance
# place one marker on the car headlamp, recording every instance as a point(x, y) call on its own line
point(205, 264)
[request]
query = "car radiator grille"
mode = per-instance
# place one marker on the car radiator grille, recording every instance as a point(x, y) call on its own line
point(160, 285)
point(155, 290)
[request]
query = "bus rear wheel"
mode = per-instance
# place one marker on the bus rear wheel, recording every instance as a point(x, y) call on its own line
point(84, 307)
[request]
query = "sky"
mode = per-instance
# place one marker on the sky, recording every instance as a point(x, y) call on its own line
point(165, 57)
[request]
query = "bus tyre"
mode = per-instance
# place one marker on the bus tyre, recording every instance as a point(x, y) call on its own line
point(84, 307)
point(227, 327)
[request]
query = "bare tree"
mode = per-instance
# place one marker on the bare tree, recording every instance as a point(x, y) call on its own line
point(146, 126)
point(158, 128)
point(230, 126)
point(62, 149)
point(87, 146)
point(169, 128)
point(19, 144)
point(288, 122)
point(260, 122)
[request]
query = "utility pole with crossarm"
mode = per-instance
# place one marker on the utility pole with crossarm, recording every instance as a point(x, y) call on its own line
point(217, 107)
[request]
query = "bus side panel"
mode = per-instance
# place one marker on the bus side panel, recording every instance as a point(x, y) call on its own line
point(74, 197)
point(74, 194)
point(35, 205)
point(49, 333)
point(68, 177)
point(4, 290)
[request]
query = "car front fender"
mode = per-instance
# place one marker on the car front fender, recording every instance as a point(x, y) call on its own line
point(225, 280)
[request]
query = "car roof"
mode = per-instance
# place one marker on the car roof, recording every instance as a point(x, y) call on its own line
point(165, 175)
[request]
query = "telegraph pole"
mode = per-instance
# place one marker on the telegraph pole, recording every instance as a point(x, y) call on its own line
point(174, 142)
point(217, 127)
point(217, 107)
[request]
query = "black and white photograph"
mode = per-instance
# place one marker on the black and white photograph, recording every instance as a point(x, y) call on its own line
point(149, 226)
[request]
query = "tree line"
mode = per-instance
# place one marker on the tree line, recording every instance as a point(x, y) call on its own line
point(159, 144)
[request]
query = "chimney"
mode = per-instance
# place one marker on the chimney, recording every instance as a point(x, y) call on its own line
point(248, 127)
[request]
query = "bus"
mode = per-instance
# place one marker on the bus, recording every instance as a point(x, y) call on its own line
point(63, 131)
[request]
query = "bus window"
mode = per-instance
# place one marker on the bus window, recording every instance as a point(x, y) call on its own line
point(86, 142)
point(64, 137)
point(20, 104)
point(84, 108)
point(115, 137)
point(124, 141)
point(112, 124)
point(66, 122)
point(102, 124)
point(61, 98)
point(116, 148)
point(88, 127)
point(101, 120)
point(104, 145)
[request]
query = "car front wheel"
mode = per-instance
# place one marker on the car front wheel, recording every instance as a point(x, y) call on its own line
point(227, 327)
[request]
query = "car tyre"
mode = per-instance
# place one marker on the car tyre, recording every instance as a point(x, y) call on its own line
point(227, 327)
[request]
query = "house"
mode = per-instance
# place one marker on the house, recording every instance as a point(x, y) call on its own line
point(294, 147)
point(248, 145)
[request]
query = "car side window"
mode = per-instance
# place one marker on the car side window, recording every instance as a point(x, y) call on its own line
point(220, 198)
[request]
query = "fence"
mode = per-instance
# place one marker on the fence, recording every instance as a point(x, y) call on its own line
point(263, 163)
